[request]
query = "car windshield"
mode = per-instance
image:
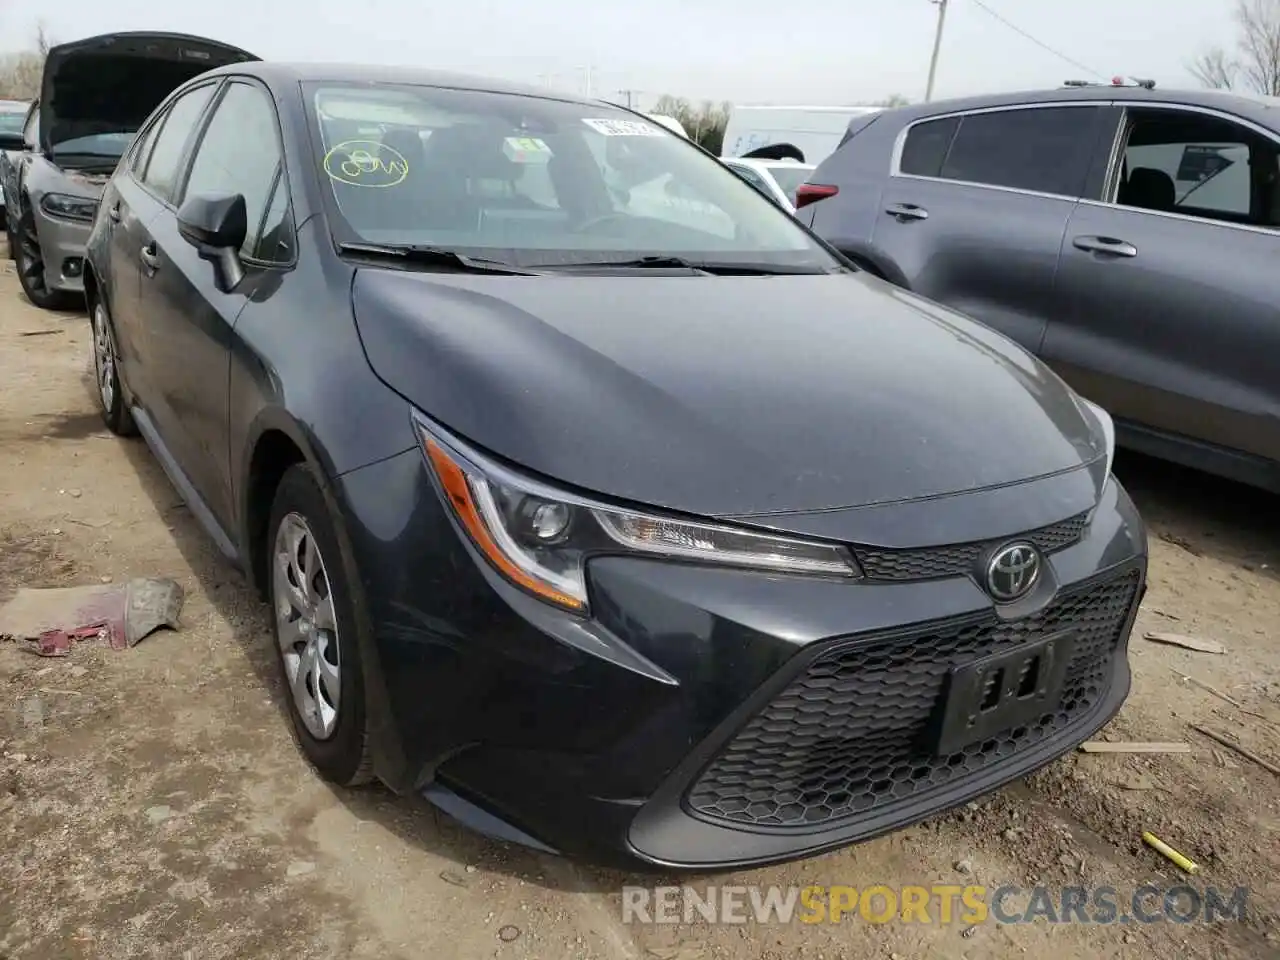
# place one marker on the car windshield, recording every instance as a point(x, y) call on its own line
point(790, 177)
point(11, 121)
point(536, 180)
point(96, 145)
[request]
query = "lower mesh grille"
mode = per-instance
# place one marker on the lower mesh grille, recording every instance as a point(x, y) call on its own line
point(957, 559)
point(851, 735)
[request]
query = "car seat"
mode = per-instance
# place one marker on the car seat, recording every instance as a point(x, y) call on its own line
point(1148, 188)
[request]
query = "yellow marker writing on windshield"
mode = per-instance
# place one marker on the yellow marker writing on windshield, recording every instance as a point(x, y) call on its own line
point(365, 163)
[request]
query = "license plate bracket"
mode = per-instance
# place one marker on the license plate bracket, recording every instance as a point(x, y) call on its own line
point(1002, 691)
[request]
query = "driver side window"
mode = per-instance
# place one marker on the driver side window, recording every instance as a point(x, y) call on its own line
point(240, 153)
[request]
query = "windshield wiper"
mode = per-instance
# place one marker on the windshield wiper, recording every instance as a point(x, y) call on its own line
point(670, 262)
point(434, 256)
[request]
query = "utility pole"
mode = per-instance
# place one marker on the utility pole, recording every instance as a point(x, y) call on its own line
point(937, 47)
point(629, 94)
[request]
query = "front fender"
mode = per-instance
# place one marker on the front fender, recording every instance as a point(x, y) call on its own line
point(389, 762)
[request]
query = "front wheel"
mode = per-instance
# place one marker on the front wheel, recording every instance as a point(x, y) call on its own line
point(316, 627)
point(31, 267)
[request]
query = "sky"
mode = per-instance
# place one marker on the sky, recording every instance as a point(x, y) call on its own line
point(743, 51)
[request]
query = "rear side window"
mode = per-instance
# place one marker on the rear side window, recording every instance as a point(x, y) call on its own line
point(926, 147)
point(1047, 149)
point(165, 161)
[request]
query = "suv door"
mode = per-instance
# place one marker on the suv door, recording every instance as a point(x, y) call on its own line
point(132, 202)
point(975, 206)
point(238, 151)
point(1170, 316)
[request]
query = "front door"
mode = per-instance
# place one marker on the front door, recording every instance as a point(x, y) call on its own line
point(192, 319)
point(1170, 316)
point(132, 205)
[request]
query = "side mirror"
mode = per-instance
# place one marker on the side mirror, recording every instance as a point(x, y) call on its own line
point(12, 141)
point(216, 225)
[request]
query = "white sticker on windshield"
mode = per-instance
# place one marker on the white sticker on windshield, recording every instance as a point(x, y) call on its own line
point(625, 128)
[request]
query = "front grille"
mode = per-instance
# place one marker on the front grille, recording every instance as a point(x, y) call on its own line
point(850, 736)
point(958, 559)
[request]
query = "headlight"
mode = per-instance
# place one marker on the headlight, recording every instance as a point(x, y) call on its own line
point(541, 538)
point(1108, 430)
point(68, 207)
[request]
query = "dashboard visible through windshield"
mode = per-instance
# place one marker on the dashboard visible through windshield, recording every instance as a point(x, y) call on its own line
point(534, 180)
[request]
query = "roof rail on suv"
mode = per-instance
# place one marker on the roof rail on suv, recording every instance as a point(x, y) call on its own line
point(1115, 82)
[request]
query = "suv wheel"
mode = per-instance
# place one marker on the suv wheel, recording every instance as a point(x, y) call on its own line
point(315, 627)
point(30, 260)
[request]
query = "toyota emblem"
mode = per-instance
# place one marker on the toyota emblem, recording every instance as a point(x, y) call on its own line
point(1013, 571)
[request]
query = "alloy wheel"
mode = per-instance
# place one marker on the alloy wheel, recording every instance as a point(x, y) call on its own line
point(306, 627)
point(104, 358)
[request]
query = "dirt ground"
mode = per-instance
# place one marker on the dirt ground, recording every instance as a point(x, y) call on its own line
point(152, 803)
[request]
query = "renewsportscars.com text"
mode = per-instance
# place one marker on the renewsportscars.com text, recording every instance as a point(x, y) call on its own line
point(941, 904)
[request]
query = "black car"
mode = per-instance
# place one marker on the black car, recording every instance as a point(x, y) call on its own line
point(1123, 233)
point(596, 499)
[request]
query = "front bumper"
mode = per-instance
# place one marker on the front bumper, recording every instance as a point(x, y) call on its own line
point(708, 718)
point(62, 245)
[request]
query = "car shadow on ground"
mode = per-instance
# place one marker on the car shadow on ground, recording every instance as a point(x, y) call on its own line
point(1204, 515)
point(410, 818)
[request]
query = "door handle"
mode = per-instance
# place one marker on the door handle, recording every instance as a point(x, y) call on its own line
point(150, 257)
point(113, 212)
point(1106, 245)
point(907, 211)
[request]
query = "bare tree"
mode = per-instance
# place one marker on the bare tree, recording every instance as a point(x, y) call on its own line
point(893, 100)
point(20, 72)
point(1216, 69)
point(705, 123)
point(1255, 64)
point(1259, 24)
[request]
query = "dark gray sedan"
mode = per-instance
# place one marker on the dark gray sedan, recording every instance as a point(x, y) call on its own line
point(595, 499)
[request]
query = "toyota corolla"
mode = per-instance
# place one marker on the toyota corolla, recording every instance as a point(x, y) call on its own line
point(636, 531)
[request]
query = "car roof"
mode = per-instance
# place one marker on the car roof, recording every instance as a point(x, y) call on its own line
point(281, 73)
point(1246, 104)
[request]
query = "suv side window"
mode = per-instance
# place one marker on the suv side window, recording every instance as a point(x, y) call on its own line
point(1043, 149)
point(1201, 166)
point(165, 162)
point(240, 153)
point(926, 147)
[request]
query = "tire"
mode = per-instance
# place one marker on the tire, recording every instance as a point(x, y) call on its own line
point(106, 375)
point(30, 261)
point(322, 655)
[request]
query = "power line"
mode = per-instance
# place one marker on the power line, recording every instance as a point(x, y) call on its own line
point(1038, 42)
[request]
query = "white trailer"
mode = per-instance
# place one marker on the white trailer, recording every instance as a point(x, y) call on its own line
point(815, 131)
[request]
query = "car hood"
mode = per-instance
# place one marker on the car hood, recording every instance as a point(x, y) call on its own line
point(111, 83)
point(722, 396)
